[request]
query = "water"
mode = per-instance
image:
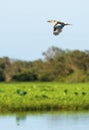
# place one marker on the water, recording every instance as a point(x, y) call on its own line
point(46, 121)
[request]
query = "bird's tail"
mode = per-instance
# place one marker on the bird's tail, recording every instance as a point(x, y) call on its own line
point(67, 24)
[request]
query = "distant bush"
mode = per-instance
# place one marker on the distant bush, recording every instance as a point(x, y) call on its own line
point(76, 77)
point(2, 77)
point(57, 65)
point(26, 76)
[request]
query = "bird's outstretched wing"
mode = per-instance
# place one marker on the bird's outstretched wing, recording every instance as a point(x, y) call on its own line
point(56, 30)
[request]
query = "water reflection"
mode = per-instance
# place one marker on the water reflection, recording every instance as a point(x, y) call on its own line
point(45, 121)
point(20, 119)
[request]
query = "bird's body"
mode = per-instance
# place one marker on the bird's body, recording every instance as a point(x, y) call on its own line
point(58, 26)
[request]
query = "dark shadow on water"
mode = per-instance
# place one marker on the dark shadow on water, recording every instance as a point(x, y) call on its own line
point(20, 118)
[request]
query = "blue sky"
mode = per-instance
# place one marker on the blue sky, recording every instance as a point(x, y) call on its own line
point(25, 33)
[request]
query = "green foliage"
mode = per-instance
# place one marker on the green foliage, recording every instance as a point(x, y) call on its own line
point(2, 78)
point(26, 76)
point(58, 65)
point(77, 76)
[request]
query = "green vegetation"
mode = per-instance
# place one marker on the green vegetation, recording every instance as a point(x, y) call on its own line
point(70, 68)
point(24, 96)
point(57, 65)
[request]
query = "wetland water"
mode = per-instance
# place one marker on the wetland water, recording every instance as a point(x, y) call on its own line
point(45, 121)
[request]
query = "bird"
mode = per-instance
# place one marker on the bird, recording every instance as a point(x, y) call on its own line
point(58, 26)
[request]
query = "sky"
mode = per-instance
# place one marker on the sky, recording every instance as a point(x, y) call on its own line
point(25, 33)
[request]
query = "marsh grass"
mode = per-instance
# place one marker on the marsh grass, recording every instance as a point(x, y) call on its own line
point(43, 96)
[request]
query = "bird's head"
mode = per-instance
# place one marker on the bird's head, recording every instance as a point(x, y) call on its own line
point(52, 21)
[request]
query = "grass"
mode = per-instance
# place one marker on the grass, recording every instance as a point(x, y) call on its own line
point(43, 96)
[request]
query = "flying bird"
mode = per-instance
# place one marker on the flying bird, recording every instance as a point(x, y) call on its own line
point(58, 26)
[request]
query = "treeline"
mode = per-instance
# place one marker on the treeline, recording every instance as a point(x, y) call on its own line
point(57, 65)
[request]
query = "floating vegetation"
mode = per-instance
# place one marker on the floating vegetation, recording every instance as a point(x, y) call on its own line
point(43, 96)
point(1, 91)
